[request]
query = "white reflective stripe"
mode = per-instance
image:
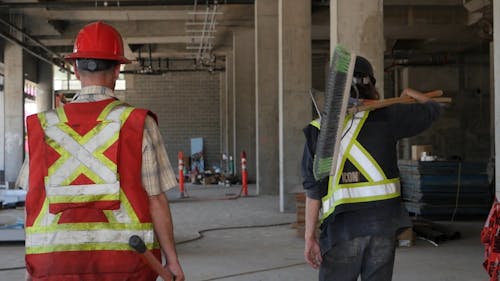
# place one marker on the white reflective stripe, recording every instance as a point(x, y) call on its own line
point(367, 164)
point(104, 135)
point(121, 215)
point(51, 117)
point(81, 190)
point(79, 153)
point(361, 192)
point(47, 219)
point(348, 134)
point(116, 113)
point(79, 237)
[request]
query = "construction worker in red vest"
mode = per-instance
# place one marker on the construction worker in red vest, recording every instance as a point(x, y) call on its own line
point(98, 172)
point(361, 203)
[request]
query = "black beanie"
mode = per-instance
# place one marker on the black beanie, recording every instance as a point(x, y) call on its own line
point(363, 68)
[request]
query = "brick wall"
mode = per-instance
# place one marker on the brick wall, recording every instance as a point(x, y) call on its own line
point(187, 106)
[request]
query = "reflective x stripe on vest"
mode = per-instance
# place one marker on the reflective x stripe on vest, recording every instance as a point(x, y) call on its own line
point(84, 155)
point(377, 186)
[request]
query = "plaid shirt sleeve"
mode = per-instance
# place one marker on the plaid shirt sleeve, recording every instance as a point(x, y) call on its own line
point(157, 173)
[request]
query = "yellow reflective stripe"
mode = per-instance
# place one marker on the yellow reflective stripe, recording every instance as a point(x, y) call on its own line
point(43, 119)
point(350, 137)
point(82, 170)
point(371, 159)
point(125, 205)
point(51, 118)
point(45, 218)
point(61, 114)
point(110, 216)
point(108, 109)
point(360, 168)
point(365, 163)
point(358, 200)
point(316, 123)
point(88, 226)
point(99, 152)
point(83, 198)
point(126, 114)
point(125, 214)
point(361, 184)
point(64, 156)
point(86, 247)
point(75, 173)
point(361, 192)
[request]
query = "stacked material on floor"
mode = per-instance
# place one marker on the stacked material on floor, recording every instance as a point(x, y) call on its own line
point(12, 224)
point(445, 189)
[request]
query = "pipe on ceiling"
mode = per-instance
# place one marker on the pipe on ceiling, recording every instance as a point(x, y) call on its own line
point(59, 61)
point(32, 52)
point(61, 4)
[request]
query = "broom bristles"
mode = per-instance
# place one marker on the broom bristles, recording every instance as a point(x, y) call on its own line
point(336, 96)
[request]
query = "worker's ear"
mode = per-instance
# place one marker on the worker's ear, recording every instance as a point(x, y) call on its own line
point(77, 74)
point(116, 71)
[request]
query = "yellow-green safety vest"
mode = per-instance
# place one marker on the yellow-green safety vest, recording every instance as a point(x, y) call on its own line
point(377, 187)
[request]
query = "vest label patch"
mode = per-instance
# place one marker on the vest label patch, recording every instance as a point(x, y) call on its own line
point(348, 177)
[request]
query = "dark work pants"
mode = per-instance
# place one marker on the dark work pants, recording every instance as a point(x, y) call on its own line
point(371, 257)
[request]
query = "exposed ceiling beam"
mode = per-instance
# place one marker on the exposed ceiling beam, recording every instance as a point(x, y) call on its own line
point(448, 32)
point(63, 4)
point(423, 2)
point(119, 15)
point(130, 40)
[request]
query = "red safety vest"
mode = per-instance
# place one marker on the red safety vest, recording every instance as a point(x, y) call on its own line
point(86, 196)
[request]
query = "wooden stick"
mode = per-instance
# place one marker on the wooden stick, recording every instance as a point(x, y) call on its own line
point(138, 245)
point(383, 103)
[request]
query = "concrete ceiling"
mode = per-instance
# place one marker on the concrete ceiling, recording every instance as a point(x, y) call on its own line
point(172, 30)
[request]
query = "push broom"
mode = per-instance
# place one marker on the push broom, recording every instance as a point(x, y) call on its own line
point(337, 94)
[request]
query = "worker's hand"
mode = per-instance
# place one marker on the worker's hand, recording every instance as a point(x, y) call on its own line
point(27, 276)
point(312, 253)
point(176, 270)
point(418, 96)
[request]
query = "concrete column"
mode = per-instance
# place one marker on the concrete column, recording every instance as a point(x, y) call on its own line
point(266, 95)
point(496, 85)
point(230, 107)
point(14, 89)
point(44, 96)
point(230, 137)
point(492, 107)
point(295, 110)
point(222, 115)
point(244, 91)
point(2, 125)
point(358, 25)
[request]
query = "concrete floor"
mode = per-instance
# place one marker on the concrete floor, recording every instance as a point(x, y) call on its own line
point(247, 239)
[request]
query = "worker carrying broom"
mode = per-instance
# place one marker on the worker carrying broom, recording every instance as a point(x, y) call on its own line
point(361, 205)
point(98, 172)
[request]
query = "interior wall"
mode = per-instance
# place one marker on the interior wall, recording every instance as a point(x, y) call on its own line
point(465, 122)
point(30, 65)
point(187, 106)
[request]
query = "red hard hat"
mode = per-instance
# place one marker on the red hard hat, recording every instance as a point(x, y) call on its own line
point(98, 40)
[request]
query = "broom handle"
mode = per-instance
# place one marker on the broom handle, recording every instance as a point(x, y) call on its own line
point(390, 101)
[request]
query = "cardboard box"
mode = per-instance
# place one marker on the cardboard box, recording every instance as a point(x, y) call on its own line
point(417, 150)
